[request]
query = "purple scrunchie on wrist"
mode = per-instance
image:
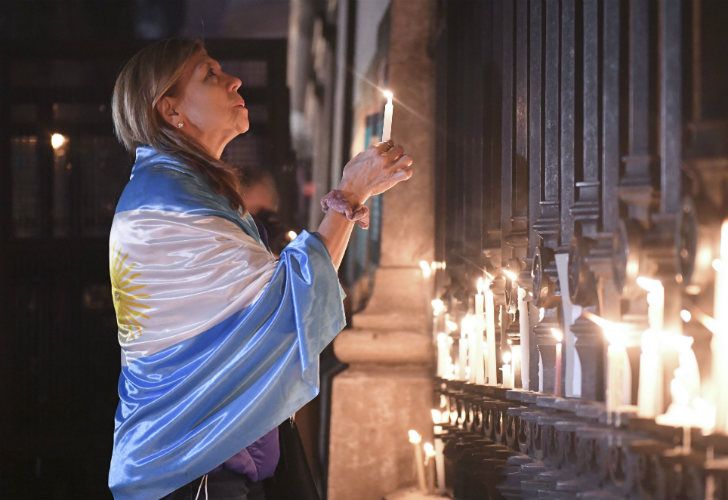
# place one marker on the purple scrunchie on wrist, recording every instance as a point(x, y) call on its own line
point(336, 200)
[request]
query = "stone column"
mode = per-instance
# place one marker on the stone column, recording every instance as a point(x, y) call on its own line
point(387, 388)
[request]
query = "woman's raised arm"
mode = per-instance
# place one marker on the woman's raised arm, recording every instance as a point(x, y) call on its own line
point(371, 172)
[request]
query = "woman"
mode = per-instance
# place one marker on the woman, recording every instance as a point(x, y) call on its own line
point(220, 341)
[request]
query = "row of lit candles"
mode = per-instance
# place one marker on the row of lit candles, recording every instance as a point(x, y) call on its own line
point(477, 352)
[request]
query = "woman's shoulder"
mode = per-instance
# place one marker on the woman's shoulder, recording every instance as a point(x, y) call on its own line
point(161, 182)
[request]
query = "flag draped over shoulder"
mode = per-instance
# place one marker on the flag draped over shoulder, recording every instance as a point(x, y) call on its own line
point(220, 341)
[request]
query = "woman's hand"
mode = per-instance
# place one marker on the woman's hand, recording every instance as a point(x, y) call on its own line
point(375, 170)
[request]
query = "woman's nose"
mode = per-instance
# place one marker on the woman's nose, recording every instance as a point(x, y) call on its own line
point(235, 83)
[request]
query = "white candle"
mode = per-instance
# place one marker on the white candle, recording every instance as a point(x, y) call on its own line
point(523, 329)
point(479, 354)
point(430, 455)
point(444, 342)
point(462, 355)
point(507, 370)
point(516, 361)
point(557, 367)
point(473, 326)
point(490, 333)
point(388, 111)
point(480, 299)
point(618, 375)
point(650, 391)
point(415, 439)
point(439, 459)
point(719, 344)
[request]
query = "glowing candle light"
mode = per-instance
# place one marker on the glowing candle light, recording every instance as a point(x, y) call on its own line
point(415, 439)
point(426, 269)
point(475, 354)
point(719, 343)
point(430, 457)
point(444, 342)
point(507, 369)
point(559, 336)
point(687, 409)
point(58, 140)
point(649, 396)
point(463, 354)
point(619, 372)
point(516, 361)
point(439, 460)
point(480, 299)
point(438, 308)
point(490, 332)
point(388, 112)
point(523, 329)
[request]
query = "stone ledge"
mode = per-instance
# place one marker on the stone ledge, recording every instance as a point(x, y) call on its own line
point(384, 347)
point(413, 493)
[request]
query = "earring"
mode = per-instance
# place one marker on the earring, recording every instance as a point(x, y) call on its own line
point(180, 125)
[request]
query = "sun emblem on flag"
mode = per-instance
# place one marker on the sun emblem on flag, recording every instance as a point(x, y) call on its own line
point(127, 296)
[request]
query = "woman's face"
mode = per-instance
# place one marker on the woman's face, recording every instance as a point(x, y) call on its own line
point(207, 103)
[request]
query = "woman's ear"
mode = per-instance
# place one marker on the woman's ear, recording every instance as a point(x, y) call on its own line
point(166, 109)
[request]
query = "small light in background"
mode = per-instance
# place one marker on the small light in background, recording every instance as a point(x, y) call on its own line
point(58, 141)
point(686, 316)
point(291, 235)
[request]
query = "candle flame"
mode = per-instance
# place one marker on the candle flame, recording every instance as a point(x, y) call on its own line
point(389, 95)
point(58, 140)
point(450, 325)
point(480, 285)
point(426, 269)
point(436, 415)
point(510, 275)
point(649, 284)
point(613, 332)
point(438, 307)
point(558, 334)
point(414, 436)
point(291, 235)
point(429, 450)
point(507, 357)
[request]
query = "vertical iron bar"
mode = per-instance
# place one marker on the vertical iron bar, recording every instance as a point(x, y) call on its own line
point(507, 115)
point(639, 88)
point(591, 93)
point(610, 116)
point(520, 187)
point(551, 103)
point(670, 105)
point(567, 109)
point(535, 129)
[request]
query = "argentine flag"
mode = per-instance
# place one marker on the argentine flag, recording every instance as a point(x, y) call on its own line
point(219, 339)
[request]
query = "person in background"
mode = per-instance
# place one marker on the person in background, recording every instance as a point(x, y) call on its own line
point(261, 199)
